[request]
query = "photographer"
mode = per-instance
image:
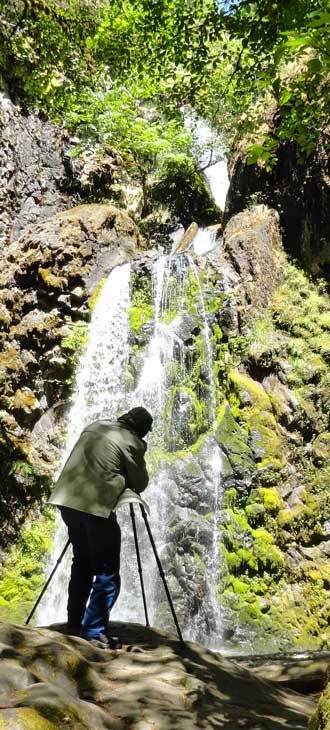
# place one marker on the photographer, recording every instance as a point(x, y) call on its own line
point(107, 458)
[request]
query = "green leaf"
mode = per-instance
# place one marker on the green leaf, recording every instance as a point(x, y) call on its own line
point(286, 96)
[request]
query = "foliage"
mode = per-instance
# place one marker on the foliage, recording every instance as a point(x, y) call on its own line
point(125, 117)
point(44, 49)
point(281, 65)
point(23, 577)
point(184, 190)
point(123, 70)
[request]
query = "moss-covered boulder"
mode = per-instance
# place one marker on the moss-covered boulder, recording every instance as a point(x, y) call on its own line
point(256, 412)
point(233, 440)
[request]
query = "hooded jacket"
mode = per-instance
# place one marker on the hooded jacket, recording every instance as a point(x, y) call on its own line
point(107, 458)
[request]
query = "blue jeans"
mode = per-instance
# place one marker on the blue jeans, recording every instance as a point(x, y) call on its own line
point(94, 571)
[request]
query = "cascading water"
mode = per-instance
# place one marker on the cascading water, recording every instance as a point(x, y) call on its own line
point(179, 390)
point(98, 394)
point(162, 388)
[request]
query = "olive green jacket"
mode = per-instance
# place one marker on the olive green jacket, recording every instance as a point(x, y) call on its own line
point(107, 458)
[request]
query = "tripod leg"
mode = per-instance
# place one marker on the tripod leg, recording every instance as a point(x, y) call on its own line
point(161, 573)
point(47, 582)
point(139, 563)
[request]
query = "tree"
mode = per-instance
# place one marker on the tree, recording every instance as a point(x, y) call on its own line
point(44, 49)
point(282, 61)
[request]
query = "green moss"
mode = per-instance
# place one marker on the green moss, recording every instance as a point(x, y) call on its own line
point(250, 556)
point(51, 280)
point(169, 316)
point(290, 343)
point(255, 513)
point(22, 576)
point(249, 391)
point(25, 718)
point(21, 467)
point(96, 293)
point(141, 309)
point(138, 316)
point(77, 339)
point(194, 422)
point(229, 498)
point(270, 498)
point(232, 438)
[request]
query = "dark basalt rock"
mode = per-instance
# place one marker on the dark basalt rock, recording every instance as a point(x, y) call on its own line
point(36, 175)
point(299, 190)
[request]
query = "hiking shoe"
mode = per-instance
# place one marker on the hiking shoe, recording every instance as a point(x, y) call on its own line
point(105, 642)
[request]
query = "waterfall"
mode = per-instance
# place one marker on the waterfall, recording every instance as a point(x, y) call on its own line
point(218, 180)
point(177, 386)
point(98, 394)
point(167, 367)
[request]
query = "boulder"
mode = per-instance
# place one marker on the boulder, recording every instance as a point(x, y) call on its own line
point(252, 246)
point(51, 680)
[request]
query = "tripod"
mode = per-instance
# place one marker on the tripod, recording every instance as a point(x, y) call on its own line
point(159, 565)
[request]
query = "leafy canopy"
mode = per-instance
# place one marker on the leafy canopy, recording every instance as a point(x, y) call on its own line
point(247, 66)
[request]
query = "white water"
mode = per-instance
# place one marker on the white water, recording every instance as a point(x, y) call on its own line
point(98, 394)
point(154, 392)
point(218, 180)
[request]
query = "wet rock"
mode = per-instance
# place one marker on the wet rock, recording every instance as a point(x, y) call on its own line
point(232, 440)
point(188, 476)
point(185, 326)
point(227, 317)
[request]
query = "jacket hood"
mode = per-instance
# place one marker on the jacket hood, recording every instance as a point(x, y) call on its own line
point(138, 419)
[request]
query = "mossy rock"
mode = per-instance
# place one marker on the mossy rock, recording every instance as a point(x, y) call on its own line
point(255, 409)
point(25, 718)
point(233, 441)
point(139, 316)
point(23, 573)
point(321, 448)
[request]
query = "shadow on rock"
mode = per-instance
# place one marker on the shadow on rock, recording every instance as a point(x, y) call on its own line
point(50, 680)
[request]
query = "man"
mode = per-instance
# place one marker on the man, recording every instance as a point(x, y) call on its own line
point(107, 458)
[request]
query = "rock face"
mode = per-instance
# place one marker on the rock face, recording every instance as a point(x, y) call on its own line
point(46, 278)
point(269, 329)
point(252, 245)
point(275, 515)
point(36, 177)
point(299, 190)
point(50, 681)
